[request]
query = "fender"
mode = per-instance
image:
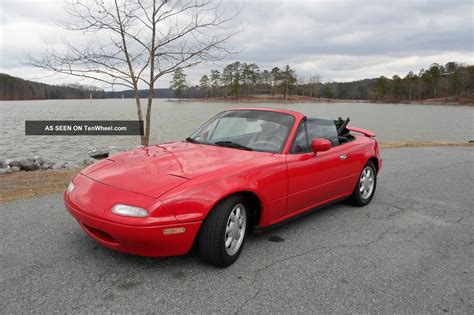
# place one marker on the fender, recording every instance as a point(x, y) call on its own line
point(193, 200)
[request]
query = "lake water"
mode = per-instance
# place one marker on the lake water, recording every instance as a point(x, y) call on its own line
point(177, 120)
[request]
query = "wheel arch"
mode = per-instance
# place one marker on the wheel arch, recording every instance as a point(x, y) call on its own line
point(255, 213)
point(375, 160)
point(252, 198)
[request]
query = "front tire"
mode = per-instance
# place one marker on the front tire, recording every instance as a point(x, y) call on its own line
point(223, 233)
point(365, 188)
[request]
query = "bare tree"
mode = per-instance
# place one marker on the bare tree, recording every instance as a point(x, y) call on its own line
point(135, 42)
point(301, 83)
point(313, 81)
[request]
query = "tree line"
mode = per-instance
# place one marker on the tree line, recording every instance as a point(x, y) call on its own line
point(13, 88)
point(452, 80)
point(239, 80)
point(236, 80)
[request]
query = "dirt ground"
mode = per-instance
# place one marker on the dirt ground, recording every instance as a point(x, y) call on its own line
point(21, 185)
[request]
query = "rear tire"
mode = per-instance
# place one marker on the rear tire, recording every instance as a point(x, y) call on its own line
point(365, 188)
point(222, 234)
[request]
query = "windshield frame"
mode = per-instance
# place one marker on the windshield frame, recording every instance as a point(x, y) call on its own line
point(284, 142)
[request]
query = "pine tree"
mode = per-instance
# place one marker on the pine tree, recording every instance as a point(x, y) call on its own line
point(204, 85)
point(178, 83)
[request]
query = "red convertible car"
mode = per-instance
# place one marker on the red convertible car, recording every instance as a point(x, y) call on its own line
point(247, 168)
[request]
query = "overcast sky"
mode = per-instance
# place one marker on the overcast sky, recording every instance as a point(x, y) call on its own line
point(338, 40)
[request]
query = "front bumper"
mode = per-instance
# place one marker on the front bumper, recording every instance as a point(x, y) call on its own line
point(135, 239)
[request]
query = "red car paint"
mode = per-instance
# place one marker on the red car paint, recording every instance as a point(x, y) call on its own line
point(179, 183)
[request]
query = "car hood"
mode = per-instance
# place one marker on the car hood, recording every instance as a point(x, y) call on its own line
point(154, 170)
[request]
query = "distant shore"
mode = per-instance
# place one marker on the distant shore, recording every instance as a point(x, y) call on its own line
point(21, 185)
point(281, 99)
point(467, 101)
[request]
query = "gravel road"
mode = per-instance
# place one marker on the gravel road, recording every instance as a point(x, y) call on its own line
point(410, 251)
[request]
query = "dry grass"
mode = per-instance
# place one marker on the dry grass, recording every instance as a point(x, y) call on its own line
point(21, 185)
point(406, 144)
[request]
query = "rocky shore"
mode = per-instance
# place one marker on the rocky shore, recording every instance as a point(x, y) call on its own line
point(39, 163)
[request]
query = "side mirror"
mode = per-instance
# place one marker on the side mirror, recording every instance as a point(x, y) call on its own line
point(320, 145)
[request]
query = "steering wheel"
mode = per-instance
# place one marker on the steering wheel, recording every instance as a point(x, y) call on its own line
point(265, 143)
point(343, 126)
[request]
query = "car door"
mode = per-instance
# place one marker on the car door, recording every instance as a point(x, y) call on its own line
point(316, 179)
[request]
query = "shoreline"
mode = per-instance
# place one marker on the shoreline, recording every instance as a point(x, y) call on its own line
point(307, 100)
point(278, 100)
point(22, 185)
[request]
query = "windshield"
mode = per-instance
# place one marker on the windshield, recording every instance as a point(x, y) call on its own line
point(246, 129)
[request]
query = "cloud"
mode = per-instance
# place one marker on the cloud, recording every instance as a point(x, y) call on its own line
point(339, 40)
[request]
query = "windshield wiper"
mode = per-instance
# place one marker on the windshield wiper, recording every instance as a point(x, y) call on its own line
point(231, 144)
point(189, 139)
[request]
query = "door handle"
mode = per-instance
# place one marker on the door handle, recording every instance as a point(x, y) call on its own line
point(343, 156)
